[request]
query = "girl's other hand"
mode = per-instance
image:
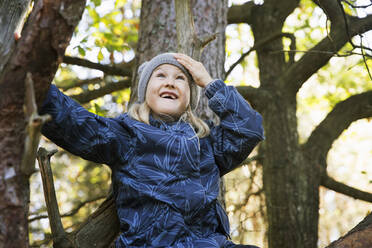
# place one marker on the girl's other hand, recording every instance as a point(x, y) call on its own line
point(196, 69)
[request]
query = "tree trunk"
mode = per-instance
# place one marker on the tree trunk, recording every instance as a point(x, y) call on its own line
point(39, 52)
point(158, 33)
point(291, 184)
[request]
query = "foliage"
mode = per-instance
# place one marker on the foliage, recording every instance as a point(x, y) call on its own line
point(109, 31)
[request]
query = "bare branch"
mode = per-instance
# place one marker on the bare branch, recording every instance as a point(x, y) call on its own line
point(206, 39)
point(260, 44)
point(123, 70)
point(345, 54)
point(343, 114)
point(300, 71)
point(78, 83)
point(107, 89)
point(364, 55)
point(72, 211)
point(249, 160)
point(334, 185)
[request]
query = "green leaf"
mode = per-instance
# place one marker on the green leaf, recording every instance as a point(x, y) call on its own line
point(96, 2)
point(85, 39)
point(100, 55)
point(81, 51)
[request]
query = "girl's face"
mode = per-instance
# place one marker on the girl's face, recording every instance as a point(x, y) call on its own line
point(168, 91)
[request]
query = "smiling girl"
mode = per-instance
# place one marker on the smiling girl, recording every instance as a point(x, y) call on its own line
point(166, 162)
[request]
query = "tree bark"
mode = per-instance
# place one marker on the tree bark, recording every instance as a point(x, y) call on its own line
point(292, 174)
point(12, 13)
point(38, 52)
point(359, 237)
point(158, 34)
point(291, 184)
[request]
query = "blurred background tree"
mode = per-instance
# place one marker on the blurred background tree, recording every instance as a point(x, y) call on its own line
point(97, 72)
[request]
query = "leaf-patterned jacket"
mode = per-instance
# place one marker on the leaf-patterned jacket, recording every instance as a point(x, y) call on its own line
point(165, 179)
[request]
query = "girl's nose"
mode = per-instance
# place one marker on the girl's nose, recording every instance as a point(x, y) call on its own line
point(169, 82)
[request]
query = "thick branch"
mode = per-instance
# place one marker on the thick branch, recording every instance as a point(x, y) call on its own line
point(69, 84)
point(107, 89)
point(359, 237)
point(241, 13)
point(107, 69)
point(253, 95)
point(311, 62)
point(100, 229)
point(185, 27)
point(332, 184)
point(58, 233)
point(343, 114)
point(331, 9)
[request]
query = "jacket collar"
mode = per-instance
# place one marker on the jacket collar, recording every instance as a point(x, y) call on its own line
point(175, 125)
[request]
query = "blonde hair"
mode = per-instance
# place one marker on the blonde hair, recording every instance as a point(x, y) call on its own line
point(141, 112)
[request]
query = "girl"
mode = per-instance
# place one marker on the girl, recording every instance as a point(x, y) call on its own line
point(165, 161)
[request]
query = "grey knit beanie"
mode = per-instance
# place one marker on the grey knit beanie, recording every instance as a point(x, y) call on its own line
point(145, 70)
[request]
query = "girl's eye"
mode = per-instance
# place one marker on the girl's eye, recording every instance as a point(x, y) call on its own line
point(181, 77)
point(160, 75)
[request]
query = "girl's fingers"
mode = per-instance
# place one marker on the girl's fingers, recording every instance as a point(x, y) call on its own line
point(196, 69)
point(184, 60)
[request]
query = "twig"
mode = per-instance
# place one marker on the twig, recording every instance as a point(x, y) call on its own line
point(260, 44)
point(356, 6)
point(107, 69)
point(72, 211)
point(345, 21)
point(250, 160)
point(107, 89)
point(323, 52)
point(364, 57)
point(80, 83)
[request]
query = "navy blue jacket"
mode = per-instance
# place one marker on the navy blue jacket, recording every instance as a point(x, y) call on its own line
point(165, 179)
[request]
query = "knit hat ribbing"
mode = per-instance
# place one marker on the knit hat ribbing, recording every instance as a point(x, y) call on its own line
point(145, 70)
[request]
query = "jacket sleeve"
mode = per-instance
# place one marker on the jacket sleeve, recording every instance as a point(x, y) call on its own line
point(92, 137)
point(240, 129)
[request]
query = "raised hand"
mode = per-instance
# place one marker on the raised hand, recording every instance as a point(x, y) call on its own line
point(196, 69)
